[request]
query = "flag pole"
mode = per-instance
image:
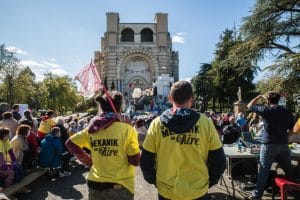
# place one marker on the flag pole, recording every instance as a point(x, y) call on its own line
point(98, 79)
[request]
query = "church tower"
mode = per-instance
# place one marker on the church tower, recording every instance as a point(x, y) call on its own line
point(134, 55)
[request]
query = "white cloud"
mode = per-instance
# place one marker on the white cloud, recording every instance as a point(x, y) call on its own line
point(189, 79)
point(16, 50)
point(54, 65)
point(30, 63)
point(52, 59)
point(41, 67)
point(59, 72)
point(178, 38)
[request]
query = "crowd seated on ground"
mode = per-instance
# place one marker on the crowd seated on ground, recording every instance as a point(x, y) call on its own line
point(7, 158)
point(9, 122)
point(47, 122)
point(19, 143)
point(51, 152)
point(21, 150)
point(26, 144)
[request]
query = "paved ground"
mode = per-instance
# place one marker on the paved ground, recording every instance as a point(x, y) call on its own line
point(74, 187)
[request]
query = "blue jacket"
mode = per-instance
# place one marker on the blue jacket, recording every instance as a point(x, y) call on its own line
point(51, 150)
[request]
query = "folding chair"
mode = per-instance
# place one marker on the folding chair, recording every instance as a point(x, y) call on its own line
point(285, 187)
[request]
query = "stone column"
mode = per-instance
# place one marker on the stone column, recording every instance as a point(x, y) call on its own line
point(238, 107)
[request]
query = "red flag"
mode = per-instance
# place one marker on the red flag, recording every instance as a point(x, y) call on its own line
point(92, 83)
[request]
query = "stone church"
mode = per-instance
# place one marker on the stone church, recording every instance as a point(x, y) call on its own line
point(136, 54)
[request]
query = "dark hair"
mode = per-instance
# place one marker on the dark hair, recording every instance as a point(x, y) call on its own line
point(273, 97)
point(16, 106)
point(181, 92)
point(27, 113)
point(117, 99)
point(3, 132)
point(69, 119)
point(27, 122)
point(49, 113)
point(55, 130)
point(139, 123)
point(23, 130)
point(7, 115)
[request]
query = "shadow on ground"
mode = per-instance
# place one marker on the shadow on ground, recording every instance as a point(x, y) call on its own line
point(218, 196)
point(63, 188)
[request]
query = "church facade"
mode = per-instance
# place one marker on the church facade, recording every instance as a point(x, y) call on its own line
point(134, 55)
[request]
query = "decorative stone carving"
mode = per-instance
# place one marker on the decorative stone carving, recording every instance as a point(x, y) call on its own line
point(135, 62)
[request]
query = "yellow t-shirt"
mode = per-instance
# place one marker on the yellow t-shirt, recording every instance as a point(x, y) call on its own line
point(46, 125)
point(109, 150)
point(4, 147)
point(182, 172)
point(298, 122)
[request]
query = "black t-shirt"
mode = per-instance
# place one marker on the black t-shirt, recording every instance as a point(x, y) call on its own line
point(277, 121)
point(16, 115)
point(231, 133)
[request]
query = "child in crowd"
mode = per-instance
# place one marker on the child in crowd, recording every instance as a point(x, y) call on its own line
point(6, 158)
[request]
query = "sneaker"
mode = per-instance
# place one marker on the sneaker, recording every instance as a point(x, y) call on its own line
point(252, 197)
point(66, 173)
point(61, 174)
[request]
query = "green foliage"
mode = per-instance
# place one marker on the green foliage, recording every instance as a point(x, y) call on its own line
point(227, 73)
point(84, 104)
point(202, 87)
point(273, 24)
point(25, 87)
point(9, 70)
point(272, 83)
point(273, 29)
point(92, 111)
point(18, 85)
point(60, 92)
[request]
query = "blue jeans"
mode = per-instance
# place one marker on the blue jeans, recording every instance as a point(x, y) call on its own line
point(270, 153)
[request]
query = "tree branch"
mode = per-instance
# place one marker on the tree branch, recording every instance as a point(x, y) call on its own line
point(288, 33)
point(285, 48)
point(287, 9)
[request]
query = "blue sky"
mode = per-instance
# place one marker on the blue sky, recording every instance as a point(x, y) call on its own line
point(61, 35)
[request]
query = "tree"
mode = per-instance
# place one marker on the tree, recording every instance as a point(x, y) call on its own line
point(113, 87)
point(60, 92)
point(274, 24)
point(25, 88)
point(228, 73)
point(273, 29)
point(202, 86)
point(273, 82)
point(9, 69)
point(276, 82)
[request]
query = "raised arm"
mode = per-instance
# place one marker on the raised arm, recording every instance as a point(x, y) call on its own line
point(79, 153)
point(253, 101)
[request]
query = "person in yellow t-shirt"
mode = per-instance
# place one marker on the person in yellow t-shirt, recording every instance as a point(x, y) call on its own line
point(114, 152)
point(182, 152)
point(46, 124)
point(7, 158)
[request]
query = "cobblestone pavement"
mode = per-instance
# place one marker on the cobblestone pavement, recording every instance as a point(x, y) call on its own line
point(74, 187)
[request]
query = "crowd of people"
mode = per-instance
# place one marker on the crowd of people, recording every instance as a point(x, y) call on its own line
point(180, 151)
point(27, 142)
